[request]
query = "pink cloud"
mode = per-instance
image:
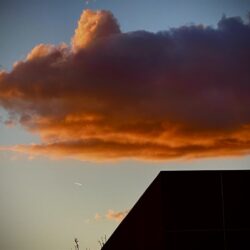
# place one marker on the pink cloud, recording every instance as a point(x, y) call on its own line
point(116, 216)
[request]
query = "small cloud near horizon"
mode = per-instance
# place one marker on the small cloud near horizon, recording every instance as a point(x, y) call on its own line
point(112, 215)
point(97, 217)
point(116, 216)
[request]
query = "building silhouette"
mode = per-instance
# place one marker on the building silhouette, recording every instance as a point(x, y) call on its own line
point(189, 210)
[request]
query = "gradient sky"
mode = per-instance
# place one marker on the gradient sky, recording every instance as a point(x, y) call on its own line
point(46, 202)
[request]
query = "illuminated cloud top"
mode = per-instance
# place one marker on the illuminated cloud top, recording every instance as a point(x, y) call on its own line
point(179, 93)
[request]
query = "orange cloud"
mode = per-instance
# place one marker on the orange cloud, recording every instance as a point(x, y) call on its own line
point(116, 216)
point(97, 217)
point(95, 149)
point(113, 95)
point(92, 26)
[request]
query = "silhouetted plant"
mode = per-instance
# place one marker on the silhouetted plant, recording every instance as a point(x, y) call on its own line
point(102, 241)
point(77, 244)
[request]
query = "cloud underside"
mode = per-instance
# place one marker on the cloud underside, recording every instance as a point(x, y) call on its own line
point(181, 93)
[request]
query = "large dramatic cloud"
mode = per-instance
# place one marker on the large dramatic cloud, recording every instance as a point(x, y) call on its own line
point(177, 93)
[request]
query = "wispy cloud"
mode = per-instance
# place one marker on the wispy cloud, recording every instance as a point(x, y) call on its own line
point(116, 216)
point(111, 215)
point(180, 93)
point(97, 217)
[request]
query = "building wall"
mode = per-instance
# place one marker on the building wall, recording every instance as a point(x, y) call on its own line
point(189, 210)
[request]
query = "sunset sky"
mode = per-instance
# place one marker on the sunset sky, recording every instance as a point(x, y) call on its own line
point(97, 97)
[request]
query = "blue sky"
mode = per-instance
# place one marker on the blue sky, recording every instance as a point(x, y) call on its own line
point(43, 206)
point(25, 24)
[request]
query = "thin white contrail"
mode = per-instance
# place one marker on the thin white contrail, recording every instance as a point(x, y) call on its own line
point(78, 184)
